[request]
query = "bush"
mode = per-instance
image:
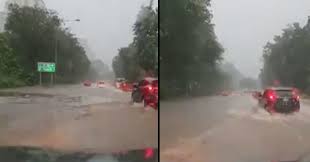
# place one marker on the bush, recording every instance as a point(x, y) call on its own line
point(10, 82)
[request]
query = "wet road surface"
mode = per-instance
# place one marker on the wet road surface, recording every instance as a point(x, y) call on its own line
point(233, 128)
point(77, 118)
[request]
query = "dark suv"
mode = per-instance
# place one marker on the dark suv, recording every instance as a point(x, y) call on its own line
point(146, 91)
point(280, 99)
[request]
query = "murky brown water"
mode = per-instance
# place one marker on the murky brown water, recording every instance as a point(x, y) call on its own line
point(221, 129)
point(103, 126)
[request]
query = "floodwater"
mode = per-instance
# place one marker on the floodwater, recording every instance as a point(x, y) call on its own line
point(81, 119)
point(232, 128)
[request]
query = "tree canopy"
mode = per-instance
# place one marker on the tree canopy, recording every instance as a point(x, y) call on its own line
point(189, 50)
point(141, 56)
point(36, 35)
point(286, 58)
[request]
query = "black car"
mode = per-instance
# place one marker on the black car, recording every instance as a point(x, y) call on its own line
point(141, 89)
point(280, 99)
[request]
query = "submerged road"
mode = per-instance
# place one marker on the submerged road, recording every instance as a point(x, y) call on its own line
point(231, 129)
point(76, 118)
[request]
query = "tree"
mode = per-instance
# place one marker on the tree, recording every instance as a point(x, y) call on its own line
point(146, 38)
point(33, 34)
point(286, 59)
point(142, 54)
point(125, 65)
point(189, 50)
point(10, 70)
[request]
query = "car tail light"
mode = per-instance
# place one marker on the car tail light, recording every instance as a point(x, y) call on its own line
point(148, 153)
point(150, 88)
point(272, 96)
point(295, 94)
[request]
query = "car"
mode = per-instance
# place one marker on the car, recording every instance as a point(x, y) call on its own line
point(225, 93)
point(280, 100)
point(146, 91)
point(100, 84)
point(87, 83)
point(119, 81)
point(126, 86)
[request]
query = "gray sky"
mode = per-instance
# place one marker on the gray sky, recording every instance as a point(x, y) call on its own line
point(106, 24)
point(244, 27)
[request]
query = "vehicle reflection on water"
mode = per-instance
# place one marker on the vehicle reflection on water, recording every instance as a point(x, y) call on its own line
point(31, 154)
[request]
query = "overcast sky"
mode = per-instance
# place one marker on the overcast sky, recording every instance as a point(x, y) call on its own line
point(106, 24)
point(244, 26)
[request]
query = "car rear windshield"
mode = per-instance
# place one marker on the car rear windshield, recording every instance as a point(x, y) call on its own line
point(284, 93)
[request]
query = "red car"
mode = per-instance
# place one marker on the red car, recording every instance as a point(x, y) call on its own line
point(118, 82)
point(280, 99)
point(151, 96)
point(225, 93)
point(87, 83)
point(126, 86)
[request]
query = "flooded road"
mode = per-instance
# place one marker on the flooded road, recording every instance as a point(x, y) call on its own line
point(233, 128)
point(94, 119)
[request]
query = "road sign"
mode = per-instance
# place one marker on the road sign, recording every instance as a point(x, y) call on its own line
point(46, 67)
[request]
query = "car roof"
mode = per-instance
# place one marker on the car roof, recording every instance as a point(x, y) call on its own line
point(150, 79)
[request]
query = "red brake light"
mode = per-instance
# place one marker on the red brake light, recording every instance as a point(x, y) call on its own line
point(148, 153)
point(271, 95)
point(295, 94)
point(150, 88)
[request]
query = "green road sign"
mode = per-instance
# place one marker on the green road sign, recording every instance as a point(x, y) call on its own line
point(46, 67)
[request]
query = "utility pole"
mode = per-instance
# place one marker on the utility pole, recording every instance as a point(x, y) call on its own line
point(56, 48)
point(56, 57)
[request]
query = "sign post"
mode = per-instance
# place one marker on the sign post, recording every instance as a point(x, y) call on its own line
point(46, 67)
point(40, 79)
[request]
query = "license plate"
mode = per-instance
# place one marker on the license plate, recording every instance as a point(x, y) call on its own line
point(285, 99)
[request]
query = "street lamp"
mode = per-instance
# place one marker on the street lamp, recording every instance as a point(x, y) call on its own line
point(75, 20)
point(56, 44)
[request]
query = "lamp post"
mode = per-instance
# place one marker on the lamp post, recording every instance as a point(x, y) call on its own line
point(56, 45)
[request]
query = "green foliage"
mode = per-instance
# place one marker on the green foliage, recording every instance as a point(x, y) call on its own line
point(10, 71)
point(146, 39)
point(189, 51)
point(125, 65)
point(8, 62)
point(287, 58)
point(35, 34)
point(142, 54)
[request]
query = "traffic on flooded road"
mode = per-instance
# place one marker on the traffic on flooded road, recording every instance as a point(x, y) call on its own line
point(234, 81)
point(233, 128)
point(67, 70)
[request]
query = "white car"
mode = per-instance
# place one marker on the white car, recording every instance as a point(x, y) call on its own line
point(100, 84)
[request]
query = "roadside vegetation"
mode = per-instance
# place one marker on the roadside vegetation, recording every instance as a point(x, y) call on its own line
point(30, 36)
point(286, 59)
point(190, 55)
point(140, 58)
